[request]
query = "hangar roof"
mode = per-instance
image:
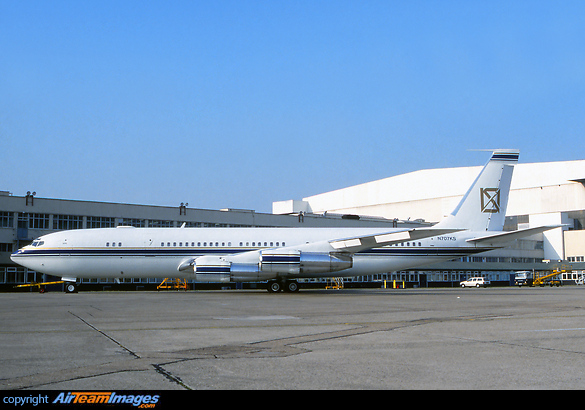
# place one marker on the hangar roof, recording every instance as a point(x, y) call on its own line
point(448, 185)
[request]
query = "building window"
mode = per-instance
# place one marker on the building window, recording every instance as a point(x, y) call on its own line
point(66, 222)
point(35, 221)
point(100, 222)
point(160, 224)
point(137, 223)
point(6, 220)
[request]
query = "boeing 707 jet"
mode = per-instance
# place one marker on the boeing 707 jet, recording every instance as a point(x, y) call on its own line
point(281, 256)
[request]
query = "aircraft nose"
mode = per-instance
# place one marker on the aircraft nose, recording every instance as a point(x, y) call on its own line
point(15, 255)
point(18, 255)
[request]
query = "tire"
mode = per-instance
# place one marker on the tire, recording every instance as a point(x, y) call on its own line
point(292, 286)
point(274, 286)
point(70, 287)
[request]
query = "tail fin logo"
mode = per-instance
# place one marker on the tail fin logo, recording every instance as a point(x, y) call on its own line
point(490, 200)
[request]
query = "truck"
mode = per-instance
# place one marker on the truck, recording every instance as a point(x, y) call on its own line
point(523, 278)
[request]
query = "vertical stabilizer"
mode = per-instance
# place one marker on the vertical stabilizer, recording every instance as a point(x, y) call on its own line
point(483, 207)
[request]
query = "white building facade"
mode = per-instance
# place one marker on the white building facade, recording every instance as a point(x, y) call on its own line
point(541, 193)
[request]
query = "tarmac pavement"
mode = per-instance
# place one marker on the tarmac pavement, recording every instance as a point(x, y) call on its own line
point(493, 338)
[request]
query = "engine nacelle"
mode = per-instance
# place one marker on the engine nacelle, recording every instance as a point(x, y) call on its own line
point(272, 263)
point(212, 269)
point(298, 262)
point(218, 269)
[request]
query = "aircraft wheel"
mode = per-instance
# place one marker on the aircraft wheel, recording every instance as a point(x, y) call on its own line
point(70, 287)
point(292, 286)
point(274, 286)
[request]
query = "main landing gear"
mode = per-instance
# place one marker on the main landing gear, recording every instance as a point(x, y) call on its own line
point(290, 286)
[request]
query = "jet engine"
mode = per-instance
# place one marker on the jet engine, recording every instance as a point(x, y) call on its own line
point(298, 262)
point(272, 263)
point(219, 269)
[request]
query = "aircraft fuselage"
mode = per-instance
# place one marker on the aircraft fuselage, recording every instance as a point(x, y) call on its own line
point(127, 252)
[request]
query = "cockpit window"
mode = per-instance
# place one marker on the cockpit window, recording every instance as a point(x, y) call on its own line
point(37, 242)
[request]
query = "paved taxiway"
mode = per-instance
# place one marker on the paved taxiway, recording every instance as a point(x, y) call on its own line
point(532, 338)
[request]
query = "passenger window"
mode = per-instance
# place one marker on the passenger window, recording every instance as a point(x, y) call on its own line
point(107, 244)
point(162, 244)
point(119, 243)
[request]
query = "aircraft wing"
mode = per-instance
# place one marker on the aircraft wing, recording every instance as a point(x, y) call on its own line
point(345, 245)
point(502, 237)
point(362, 243)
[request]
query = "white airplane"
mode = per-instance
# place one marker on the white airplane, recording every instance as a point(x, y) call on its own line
point(282, 255)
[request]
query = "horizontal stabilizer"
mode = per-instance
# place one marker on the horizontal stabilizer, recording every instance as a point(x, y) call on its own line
point(361, 243)
point(503, 237)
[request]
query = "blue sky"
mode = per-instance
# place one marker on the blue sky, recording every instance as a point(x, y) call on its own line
point(241, 103)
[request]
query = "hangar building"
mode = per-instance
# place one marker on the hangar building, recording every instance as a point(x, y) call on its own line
point(541, 193)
